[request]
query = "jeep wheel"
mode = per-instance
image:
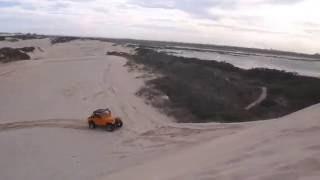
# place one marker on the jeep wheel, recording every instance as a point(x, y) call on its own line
point(119, 123)
point(92, 125)
point(110, 127)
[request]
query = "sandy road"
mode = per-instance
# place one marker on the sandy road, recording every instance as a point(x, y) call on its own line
point(56, 123)
point(262, 97)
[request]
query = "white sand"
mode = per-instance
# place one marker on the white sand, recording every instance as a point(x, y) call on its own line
point(287, 148)
point(44, 135)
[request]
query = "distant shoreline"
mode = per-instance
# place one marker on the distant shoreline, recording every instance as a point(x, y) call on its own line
point(166, 43)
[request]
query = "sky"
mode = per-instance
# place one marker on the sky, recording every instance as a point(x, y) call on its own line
point(292, 25)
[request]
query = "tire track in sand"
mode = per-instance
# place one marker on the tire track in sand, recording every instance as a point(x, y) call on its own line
point(54, 123)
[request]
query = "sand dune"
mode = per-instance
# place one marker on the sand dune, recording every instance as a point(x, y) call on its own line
point(43, 133)
point(286, 148)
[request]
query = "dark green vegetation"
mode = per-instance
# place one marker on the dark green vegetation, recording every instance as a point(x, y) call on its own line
point(14, 54)
point(205, 91)
point(57, 40)
point(18, 37)
point(115, 53)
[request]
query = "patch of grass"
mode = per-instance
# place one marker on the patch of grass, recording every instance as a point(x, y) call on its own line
point(57, 40)
point(218, 91)
point(14, 54)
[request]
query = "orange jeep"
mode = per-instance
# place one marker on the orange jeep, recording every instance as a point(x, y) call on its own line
point(103, 117)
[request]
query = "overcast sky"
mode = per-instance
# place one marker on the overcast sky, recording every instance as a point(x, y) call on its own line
point(278, 24)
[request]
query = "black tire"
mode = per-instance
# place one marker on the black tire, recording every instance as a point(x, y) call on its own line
point(110, 127)
point(119, 123)
point(92, 125)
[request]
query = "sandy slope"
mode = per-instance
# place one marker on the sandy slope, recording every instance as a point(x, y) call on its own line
point(43, 133)
point(287, 148)
point(44, 103)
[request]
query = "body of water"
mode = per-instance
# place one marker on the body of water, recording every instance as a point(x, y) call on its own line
point(306, 66)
